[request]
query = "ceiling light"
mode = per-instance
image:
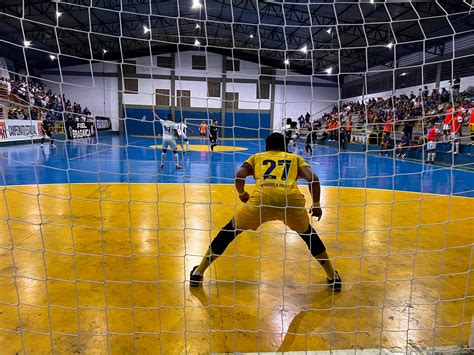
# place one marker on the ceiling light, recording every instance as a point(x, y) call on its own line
point(196, 4)
point(52, 57)
point(371, 1)
point(390, 45)
point(146, 29)
point(304, 49)
point(329, 30)
point(104, 51)
point(58, 14)
point(328, 70)
point(251, 36)
point(27, 43)
point(287, 62)
point(197, 25)
point(403, 74)
point(197, 43)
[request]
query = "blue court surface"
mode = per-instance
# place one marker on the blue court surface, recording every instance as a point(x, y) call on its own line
point(128, 159)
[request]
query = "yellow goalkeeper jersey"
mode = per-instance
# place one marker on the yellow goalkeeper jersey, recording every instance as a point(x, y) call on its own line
point(275, 172)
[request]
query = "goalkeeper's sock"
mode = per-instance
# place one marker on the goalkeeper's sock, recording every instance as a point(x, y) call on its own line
point(187, 146)
point(163, 157)
point(176, 158)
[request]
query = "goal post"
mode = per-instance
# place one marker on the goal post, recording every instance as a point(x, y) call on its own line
point(98, 238)
point(194, 124)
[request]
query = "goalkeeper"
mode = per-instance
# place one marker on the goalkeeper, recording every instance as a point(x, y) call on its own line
point(276, 197)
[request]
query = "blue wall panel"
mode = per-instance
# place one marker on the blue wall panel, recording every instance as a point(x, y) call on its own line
point(247, 125)
point(139, 121)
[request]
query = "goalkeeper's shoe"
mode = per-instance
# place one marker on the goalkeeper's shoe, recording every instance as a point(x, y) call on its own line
point(195, 280)
point(336, 283)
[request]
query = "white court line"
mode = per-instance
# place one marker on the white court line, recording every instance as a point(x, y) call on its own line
point(398, 350)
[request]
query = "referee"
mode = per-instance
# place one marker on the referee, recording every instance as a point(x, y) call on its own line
point(47, 130)
point(213, 134)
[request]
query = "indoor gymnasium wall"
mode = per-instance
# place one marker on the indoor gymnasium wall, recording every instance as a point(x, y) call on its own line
point(97, 88)
point(292, 100)
point(466, 82)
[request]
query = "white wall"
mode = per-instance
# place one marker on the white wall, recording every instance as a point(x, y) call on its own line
point(291, 101)
point(465, 83)
point(295, 94)
point(97, 92)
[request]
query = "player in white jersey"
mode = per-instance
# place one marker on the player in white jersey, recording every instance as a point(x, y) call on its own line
point(181, 128)
point(169, 133)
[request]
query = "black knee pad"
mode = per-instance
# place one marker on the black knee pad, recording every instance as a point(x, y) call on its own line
point(312, 240)
point(164, 151)
point(225, 236)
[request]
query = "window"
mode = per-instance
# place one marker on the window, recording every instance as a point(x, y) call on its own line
point(183, 98)
point(131, 86)
point(213, 89)
point(164, 62)
point(263, 90)
point(232, 100)
point(199, 62)
point(267, 71)
point(232, 65)
point(129, 68)
point(162, 97)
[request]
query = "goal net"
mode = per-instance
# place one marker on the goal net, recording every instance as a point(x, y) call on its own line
point(100, 227)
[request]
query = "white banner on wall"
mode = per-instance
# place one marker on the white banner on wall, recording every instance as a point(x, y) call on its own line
point(19, 130)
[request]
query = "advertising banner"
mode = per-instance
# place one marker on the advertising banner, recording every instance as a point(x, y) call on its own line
point(103, 123)
point(76, 130)
point(19, 130)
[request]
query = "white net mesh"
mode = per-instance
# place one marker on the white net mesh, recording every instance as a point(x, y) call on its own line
point(97, 241)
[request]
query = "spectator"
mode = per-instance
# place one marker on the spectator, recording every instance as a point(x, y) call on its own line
point(456, 129)
point(447, 123)
point(456, 86)
point(403, 145)
point(301, 121)
point(471, 120)
point(387, 128)
point(386, 145)
point(348, 130)
point(408, 129)
point(432, 137)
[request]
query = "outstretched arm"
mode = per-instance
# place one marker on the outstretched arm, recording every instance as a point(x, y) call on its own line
point(157, 117)
point(240, 176)
point(314, 188)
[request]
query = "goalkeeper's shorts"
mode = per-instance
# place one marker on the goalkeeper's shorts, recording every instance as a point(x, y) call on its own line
point(261, 208)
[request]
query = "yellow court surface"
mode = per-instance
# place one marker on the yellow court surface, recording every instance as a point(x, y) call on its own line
point(89, 268)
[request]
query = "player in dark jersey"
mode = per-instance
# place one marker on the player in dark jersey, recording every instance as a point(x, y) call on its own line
point(47, 130)
point(311, 139)
point(213, 134)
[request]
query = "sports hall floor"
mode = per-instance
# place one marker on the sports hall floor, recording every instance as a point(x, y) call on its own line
point(96, 244)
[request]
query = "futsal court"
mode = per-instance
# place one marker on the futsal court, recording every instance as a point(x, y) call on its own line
point(128, 127)
point(103, 251)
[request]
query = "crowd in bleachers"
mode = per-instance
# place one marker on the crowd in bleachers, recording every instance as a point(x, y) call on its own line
point(397, 122)
point(33, 100)
point(401, 113)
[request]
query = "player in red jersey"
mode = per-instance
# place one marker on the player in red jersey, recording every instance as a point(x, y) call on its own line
point(431, 139)
point(447, 123)
point(471, 121)
point(456, 129)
